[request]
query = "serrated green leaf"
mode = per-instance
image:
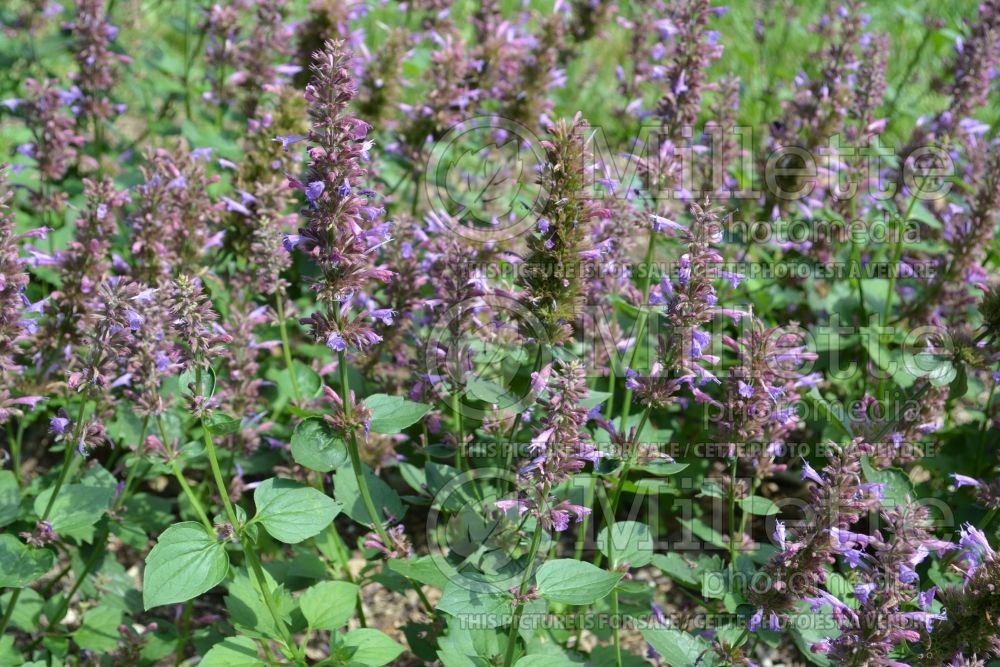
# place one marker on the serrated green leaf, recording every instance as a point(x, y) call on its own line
point(575, 582)
point(391, 414)
point(476, 609)
point(432, 570)
point(897, 487)
point(232, 652)
point(546, 661)
point(222, 424)
point(10, 498)
point(99, 631)
point(829, 413)
point(684, 570)
point(317, 446)
point(630, 542)
point(329, 605)
point(20, 565)
point(386, 500)
point(187, 561)
point(292, 512)
point(187, 382)
point(374, 647)
point(758, 505)
point(77, 507)
point(676, 647)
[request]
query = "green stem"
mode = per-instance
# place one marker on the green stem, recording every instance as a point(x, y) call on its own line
point(285, 348)
point(258, 573)
point(67, 459)
point(897, 255)
point(359, 471)
point(9, 611)
point(888, 427)
point(536, 540)
point(15, 449)
point(460, 450)
point(187, 61)
point(248, 550)
point(910, 66)
point(744, 516)
point(179, 475)
point(98, 544)
point(615, 634)
point(640, 325)
point(355, 454)
point(732, 515)
point(982, 429)
point(183, 635)
point(620, 485)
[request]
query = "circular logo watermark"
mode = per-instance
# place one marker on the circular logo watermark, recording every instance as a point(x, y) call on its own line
point(483, 350)
point(483, 174)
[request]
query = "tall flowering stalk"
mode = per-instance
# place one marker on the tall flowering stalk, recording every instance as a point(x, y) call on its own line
point(758, 406)
point(562, 250)
point(557, 451)
point(172, 226)
point(97, 63)
point(15, 322)
point(892, 609)
point(839, 499)
point(50, 115)
point(685, 78)
point(972, 626)
point(341, 234)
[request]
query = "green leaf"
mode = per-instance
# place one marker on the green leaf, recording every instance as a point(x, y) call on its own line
point(9, 655)
point(309, 381)
point(187, 382)
point(677, 648)
point(662, 468)
point(27, 610)
point(897, 485)
point(247, 610)
point(345, 490)
point(187, 561)
point(329, 605)
point(759, 506)
point(222, 424)
point(391, 414)
point(685, 571)
point(374, 648)
point(291, 512)
point(594, 398)
point(809, 627)
point(433, 570)
point(827, 410)
point(10, 497)
point(959, 387)
point(704, 532)
point(232, 652)
point(575, 582)
point(20, 565)
point(476, 609)
point(77, 507)
point(545, 661)
point(631, 542)
point(490, 392)
point(317, 446)
point(99, 631)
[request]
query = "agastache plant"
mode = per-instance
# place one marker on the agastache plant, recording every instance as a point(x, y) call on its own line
point(332, 334)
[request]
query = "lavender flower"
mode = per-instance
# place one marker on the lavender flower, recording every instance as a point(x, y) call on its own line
point(341, 230)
